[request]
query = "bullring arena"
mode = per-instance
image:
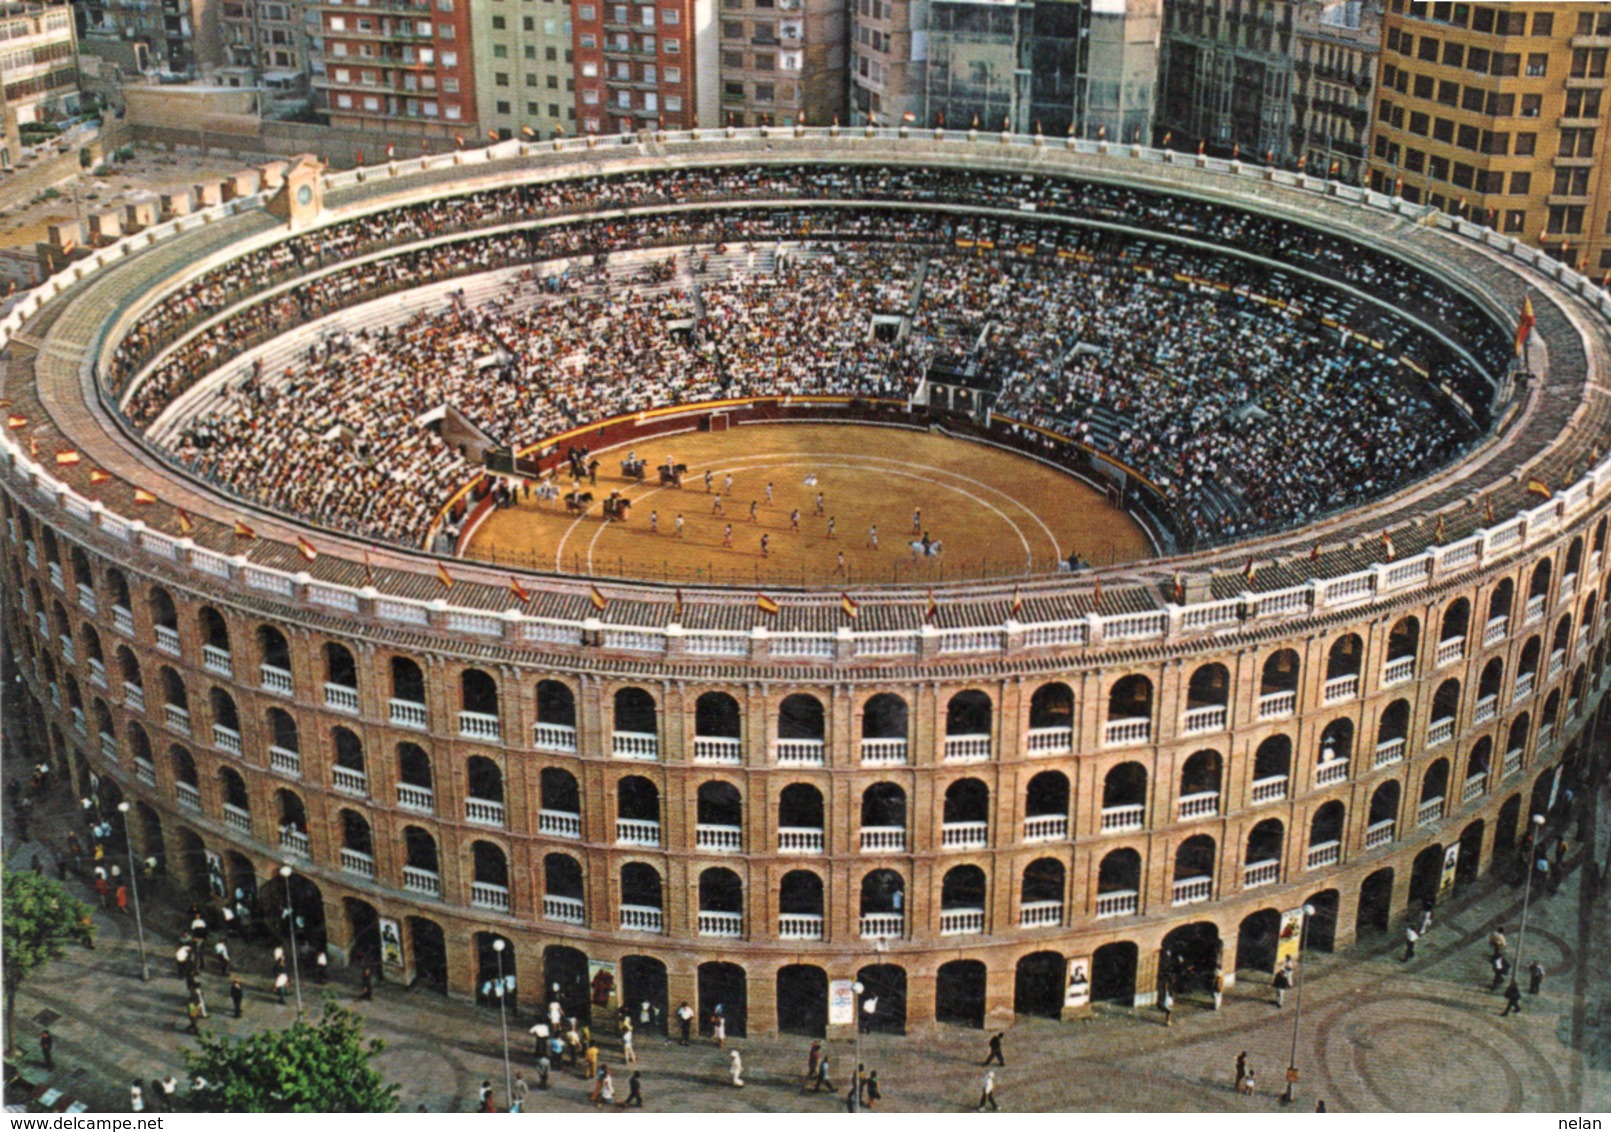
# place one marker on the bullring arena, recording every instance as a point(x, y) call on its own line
point(1270, 575)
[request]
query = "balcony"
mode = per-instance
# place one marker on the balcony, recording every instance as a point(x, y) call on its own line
point(641, 918)
point(349, 781)
point(80, 724)
point(1204, 804)
point(563, 823)
point(483, 811)
point(1271, 789)
point(70, 653)
point(1379, 833)
point(86, 599)
point(108, 745)
point(239, 819)
point(800, 839)
point(407, 713)
point(1398, 671)
point(478, 725)
point(425, 882)
point(1193, 890)
point(1440, 731)
point(1277, 705)
point(1524, 686)
point(1329, 772)
point(1341, 688)
point(1046, 827)
point(54, 569)
point(1117, 819)
point(719, 838)
point(964, 834)
point(1495, 630)
point(1325, 853)
point(1051, 740)
point(1259, 873)
point(293, 841)
point(146, 772)
point(799, 925)
point(1487, 707)
point(358, 863)
point(189, 797)
point(341, 698)
point(1196, 721)
point(1557, 662)
point(883, 752)
point(635, 745)
point(283, 761)
point(133, 696)
point(800, 752)
point(1451, 650)
point(416, 798)
point(167, 639)
point(276, 680)
point(962, 921)
point(216, 661)
point(1127, 732)
point(1110, 904)
point(1535, 608)
point(564, 910)
point(1568, 581)
point(30, 551)
point(967, 748)
point(97, 672)
point(123, 620)
point(632, 831)
point(882, 925)
point(718, 749)
point(1388, 752)
point(1429, 811)
point(553, 737)
point(883, 839)
point(721, 925)
point(226, 739)
point(177, 718)
point(491, 896)
point(1474, 786)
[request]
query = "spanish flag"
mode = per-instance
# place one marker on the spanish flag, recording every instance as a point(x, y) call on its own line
point(67, 456)
point(1539, 487)
point(14, 421)
point(186, 524)
point(1440, 532)
point(99, 476)
point(1314, 554)
point(1387, 545)
point(1017, 605)
point(851, 607)
point(444, 577)
point(1180, 591)
point(141, 495)
point(1251, 572)
point(1488, 510)
point(1524, 325)
point(931, 611)
point(243, 531)
point(676, 607)
point(306, 549)
point(522, 594)
point(767, 605)
point(600, 602)
point(1096, 596)
point(369, 571)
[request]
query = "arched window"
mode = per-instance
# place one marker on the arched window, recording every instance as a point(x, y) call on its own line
point(1434, 792)
point(226, 721)
point(1403, 645)
point(1207, 697)
point(1517, 742)
point(637, 819)
point(1392, 733)
point(720, 817)
point(1326, 831)
point(966, 820)
point(214, 640)
point(421, 867)
point(340, 678)
point(801, 819)
point(555, 729)
point(478, 706)
point(1118, 884)
point(1041, 893)
point(483, 802)
point(165, 615)
point(184, 766)
point(1200, 784)
point(721, 904)
point(408, 693)
point(1124, 797)
point(118, 587)
point(718, 729)
point(1046, 807)
point(274, 660)
point(176, 701)
point(237, 802)
point(1262, 861)
point(1051, 720)
point(1278, 684)
point(414, 780)
point(1383, 816)
point(1499, 603)
point(1129, 712)
point(1194, 870)
point(884, 730)
point(1336, 746)
point(83, 576)
point(1538, 590)
point(1272, 769)
point(883, 818)
point(564, 894)
point(883, 904)
point(962, 901)
point(88, 634)
point(642, 904)
point(1489, 686)
point(1445, 711)
point(1456, 623)
point(1344, 661)
point(1478, 765)
point(489, 884)
point(561, 803)
point(133, 683)
point(357, 844)
point(1574, 563)
point(637, 729)
point(967, 726)
point(1527, 668)
point(801, 731)
point(800, 904)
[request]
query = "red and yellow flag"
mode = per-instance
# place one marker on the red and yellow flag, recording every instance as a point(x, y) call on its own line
point(369, 571)
point(931, 611)
point(767, 605)
point(66, 457)
point(1251, 572)
point(1387, 545)
point(676, 607)
point(186, 524)
point(141, 495)
point(850, 606)
point(1524, 325)
point(522, 595)
point(600, 602)
point(243, 531)
point(306, 548)
point(444, 577)
point(16, 421)
point(1539, 487)
point(1017, 605)
point(99, 476)
point(1488, 510)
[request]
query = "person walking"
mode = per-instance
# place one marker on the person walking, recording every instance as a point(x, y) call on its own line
point(1282, 982)
point(813, 1055)
point(628, 1055)
point(136, 1098)
point(634, 1091)
point(995, 1050)
point(1535, 977)
point(221, 953)
point(281, 981)
point(321, 968)
point(521, 1089)
point(1167, 1002)
point(1410, 936)
point(544, 1068)
point(735, 1068)
point(47, 1044)
point(1427, 904)
point(607, 1087)
point(1512, 1000)
point(1241, 1070)
point(718, 1028)
point(988, 1095)
point(678, 527)
point(874, 1094)
point(822, 1081)
point(484, 1097)
point(1497, 942)
point(193, 1012)
point(181, 961)
point(368, 984)
point(685, 1020)
point(168, 1092)
point(1501, 967)
point(1219, 989)
point(237, 994)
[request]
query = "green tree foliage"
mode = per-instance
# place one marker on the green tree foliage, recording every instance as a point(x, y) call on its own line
point(40, 919)
point(321, 1066)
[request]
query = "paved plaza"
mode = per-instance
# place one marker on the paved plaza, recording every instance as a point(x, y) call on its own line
point(1376, 1034)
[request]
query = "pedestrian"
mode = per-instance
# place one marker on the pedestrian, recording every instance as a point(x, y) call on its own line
point(766, 546)
point(634, 1091)
point(753, 505)
point(47, 1043)
point(1410, 936)
point(1219, 989)
point(591, 1060)
point(839, 563)
point(368, 984)
point(679, 526)
point(1167, 1002)
point(122, 899)
point(136, 1098)
point(1282, 982)
point(199, 999)
point(181, 961)
point(628, 1055)
point(872, 536)
point(822, 1081)
point(1500, 966)
point(735, 1068)
point(520, 1090)
point(794, 520)
point(321, 967)
point(168, 1090)
point(1427, 904)
point(1241, 1070)
point(1512, 1000)
point(193, 1012)
point(1497, 942)
point(813, 1055)
point(874, 1093)
point(607, 1087)
point(221, 952)
point(707, 481)
point(544, 1068)
point(1535, 977)
point(833, 522)
point(727, 484)
point(718, 1028)
point(237, 994)
point(484, 1099)
point(281, 981)
point(988, 1095)
point(654, 522)
point(995, 1050)
point(1250, 1084)
point(727, 533)
point(598, 1087)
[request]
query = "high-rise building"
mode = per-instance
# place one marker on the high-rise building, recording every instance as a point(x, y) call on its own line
point(396, 60)
point(1338, 42)
point(1495, 111)
point(783, 60)
point(38, 68)
point(645, 62)
point(263, 43)
point(524, 78)
point(1227, 74)
point(888, 54)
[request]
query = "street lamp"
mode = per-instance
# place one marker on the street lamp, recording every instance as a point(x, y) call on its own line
point(1527, 894)
point(134, 887)
point(860, 988)
point(503, 1019)
point(1297, 1007)
point(290, 916)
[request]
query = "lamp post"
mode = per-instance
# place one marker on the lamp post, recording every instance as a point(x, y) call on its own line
point(1297, 1007)
point(290, 916)
point(134, 887)
point(1527, 895)
point(859, 988)
point(503, 1020)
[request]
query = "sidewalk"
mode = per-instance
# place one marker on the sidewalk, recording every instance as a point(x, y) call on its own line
point(1376, 1034)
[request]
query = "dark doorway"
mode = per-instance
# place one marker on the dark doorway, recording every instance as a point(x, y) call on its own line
point(566, 968)
point(1321, 932)
point(1113, 974)
point(304, 902)
point(429, 948)
point(643, 979)
point(1190, 956)
point(1256, 941)
point(1425, 875)
point(363, 932)
point(1038, 988)
point(1505, 835)
point(1465, 870)
point(886, 992)
point(959, 993)
point(1375, 902)
point(803, 1001)
point(722, 986)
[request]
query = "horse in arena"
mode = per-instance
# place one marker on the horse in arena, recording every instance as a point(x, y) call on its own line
point(672, 474)
point(616, 508)
point(921, 549)
point(576, 502)
point(632, 469)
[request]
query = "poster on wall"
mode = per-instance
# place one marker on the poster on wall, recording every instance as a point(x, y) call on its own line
point(1451, 864)
point(601, 985)
point(841, 1002)
point(1286, 943)
point(215, 873)
point(1079, 981)
point(391, 944)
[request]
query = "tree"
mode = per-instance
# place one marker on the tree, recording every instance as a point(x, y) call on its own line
point(41, 919)
point(321, 1066)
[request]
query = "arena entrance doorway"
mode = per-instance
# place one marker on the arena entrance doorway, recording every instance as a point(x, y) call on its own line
point(363, 933)
point(1375, 902)
point(1190, 956)
point(1113, 973)
point(1505, 833)
point(802, 1004)
point(1038, 989)
point(959, 993)
point(1321, 932)
point(886, 990)
point(723, 989)
point(1425, 876)
point(428, 949)
point(1256, 940)
point(1470, 863)
point(565, 977)
point(643, 980)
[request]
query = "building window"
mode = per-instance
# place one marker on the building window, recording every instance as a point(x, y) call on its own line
point(764, 92)
point(529, 51)
point(1572, 182)
point(1429, 49)
point(500, 78)
point(766, 62)
point(1577, 143)
point(1454, 54)
point(1537, 65)
point(531, 79)
point(673, 104)
point(1467, 137)
point(586, 13)
point(733, 60)
point(553, 82)
point(1437, 167)
point(1443, 130)
point(528, 23)
point(1414, 161)
point(1526, 144)
point(673, 75)
point(1495, 144)
point(589, 42)
point(1543, 24)
point(498, 23)
point(1464, 176)
point(452, 111)
point(1449, 93)
point(1565, 219)
point(344, 101)
point(450, 85)
point(1419, 123)
point(1515, 219)
point(670, 16)
point(500, 51)
point(503, 108)
point(673, 46)
point(590, 70)
point(450, 59)
point(732, 29)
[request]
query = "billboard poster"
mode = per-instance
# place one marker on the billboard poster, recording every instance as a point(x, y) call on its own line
point(1451, 863)
point(841, 1002)
point(1079, 981)
point(602, 989)
point(391, 944)
point(1286, 943)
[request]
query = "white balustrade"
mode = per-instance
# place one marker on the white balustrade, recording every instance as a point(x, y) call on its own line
point(883, 839)
point(479, 725)
point(425, 882)
point(1495, 630)
point(1535, 609)
point(964, 834)
point(80, 723)
point(1388, 752)
point(358, 863)
point(1198, 720)
point(1046, 827)
point(293, 841)
point(407, 713)
point(492, 896)
point(1451, 650)
point(69, 651)
point(189, 796)
point(800, 839)
point(86, 599)
point(559, 823)
point(216, 661)
point(1474, 786)
point(238, 818)
point(1277, 705)
point(1524, 686)
point(883, 752)
point(54, 570)
point(123, 620)
point(1127, 732)
point(227, 739)
point(634, 745)
point(1440, 731)
point(1398, 670)
point(1324, 853)
point(1327, 773)
point(1379, 833)
point(483, 811)
point(1051, 740)
point(133, 696)
point(564, 910)
point(1429, 811)
point(1116, 819)
point(719, 838)
point(1203, 804)
point(177, 718)
point(416, 798)
point(145, 770)
point(1568, 584)
point(1258, 873)
point(962, 921)
point(882, 925)
point(799, 925)
point(1119, 903)
point(97, 672)
point(1193, 890)
point(341, 698)
point(800, 752)
point(276, 680)
point(1269, 789)
point(30, 551)
point(633, 831)
point(1040, 914)
point(721, 925)
point(1487, 707)
point(350, 781)
point(719, 749)
point(553, 736)
point(285, 761)
point(967, 748)
point(108, 745)
point(167, 639)
point(1557, 661)
point(640, 918)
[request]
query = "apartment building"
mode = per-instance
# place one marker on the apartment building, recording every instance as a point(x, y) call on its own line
point(641, 63)
point(523, 67)
point(264, 43)
point(1338, 49)
point(784, 60)
point(1496, 112)
point(389, 61)
point(38, 68)
point(1228, 74)
point(888, 56)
